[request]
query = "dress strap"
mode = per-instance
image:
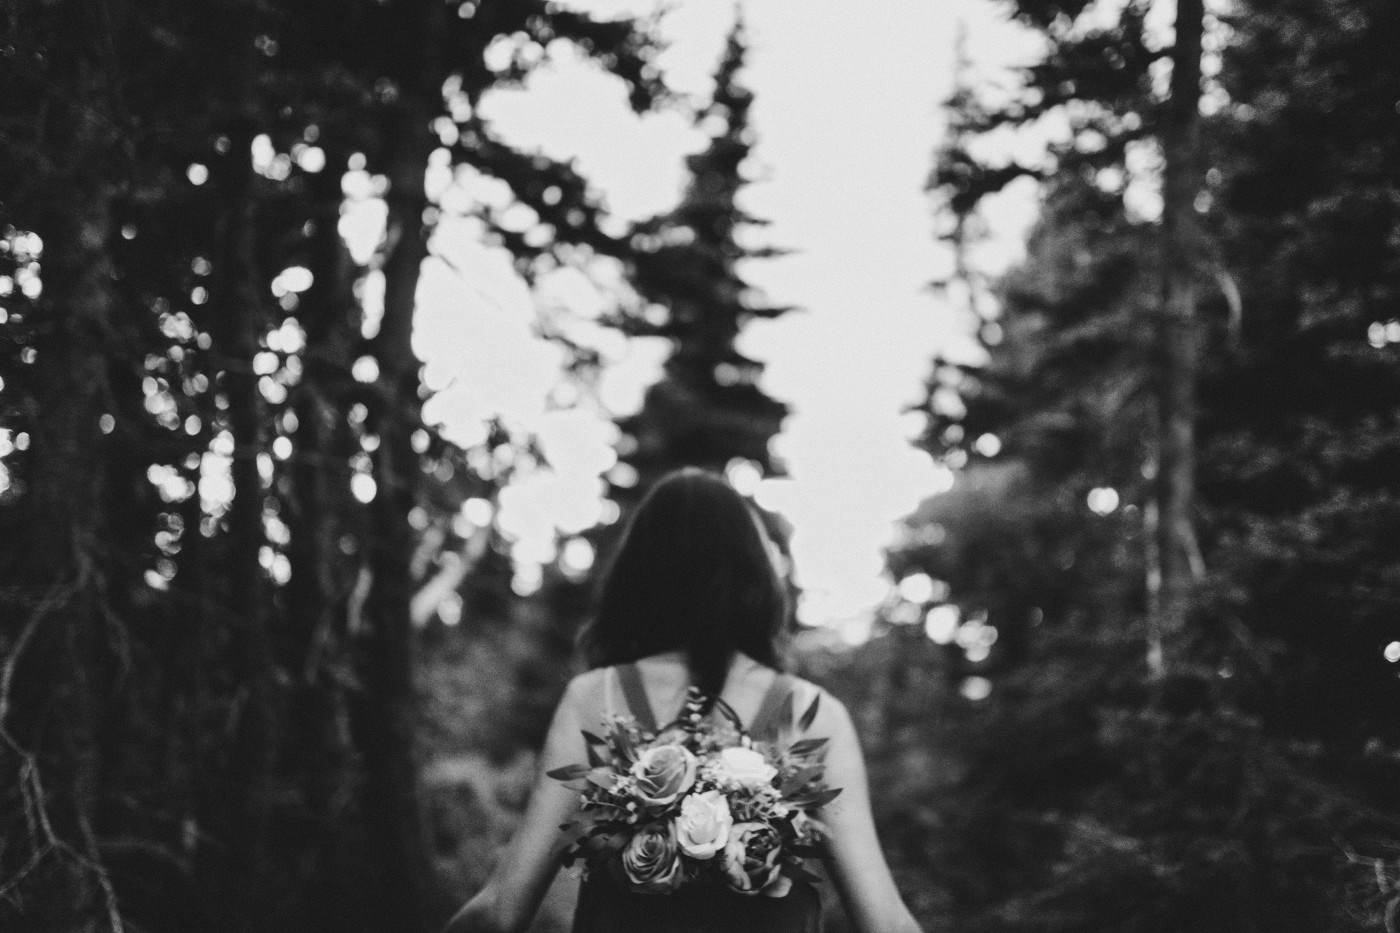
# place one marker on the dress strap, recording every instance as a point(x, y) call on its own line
point(634, 693)
point(610, 689)
point(775, 712)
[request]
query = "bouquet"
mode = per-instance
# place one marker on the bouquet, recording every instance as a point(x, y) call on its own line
point(697, 803)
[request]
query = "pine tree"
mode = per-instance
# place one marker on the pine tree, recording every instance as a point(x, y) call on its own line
point(50, 742)
point(1299, 429)
point(1254, 787)
point(1099, 78)
point(1061, 404)
point(199, 328)
point(708, 409)
point(1174, 566)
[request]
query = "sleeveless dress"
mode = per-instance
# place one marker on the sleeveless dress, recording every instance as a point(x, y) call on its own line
point(607, 907)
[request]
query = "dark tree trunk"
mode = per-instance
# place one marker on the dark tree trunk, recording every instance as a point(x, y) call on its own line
point(237, 320)
point(386, 711)
point(1179, 340)
point(56, 667)
point(387, 715)
point(314, 633)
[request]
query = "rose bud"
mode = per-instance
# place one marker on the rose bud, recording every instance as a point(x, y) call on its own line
point(651, 860)
point(663, 774)
point(752, 862)
point(746, 767)
point(703, 827)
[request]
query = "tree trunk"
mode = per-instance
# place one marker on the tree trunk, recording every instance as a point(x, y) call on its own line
point(237, 320)
point(1152, 559)
point(1179, 338)
point(386, 708)
point(314, 632)
point(56, 653)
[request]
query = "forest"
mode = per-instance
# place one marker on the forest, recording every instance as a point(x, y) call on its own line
point(268, 662)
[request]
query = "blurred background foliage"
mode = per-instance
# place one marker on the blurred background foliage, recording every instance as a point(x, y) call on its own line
point(268, 666)
point(1251, 783)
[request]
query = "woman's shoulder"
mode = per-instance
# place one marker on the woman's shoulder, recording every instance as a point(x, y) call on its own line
point(803, 688)
point(587, 691)
point(830, 714)
point(585, 697)
point(587, 682)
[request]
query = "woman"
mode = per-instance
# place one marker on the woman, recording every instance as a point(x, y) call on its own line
point(692, 597)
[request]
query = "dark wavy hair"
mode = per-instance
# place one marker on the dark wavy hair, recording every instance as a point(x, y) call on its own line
point(691, 573)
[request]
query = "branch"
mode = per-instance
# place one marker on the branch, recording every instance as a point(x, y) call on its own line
point(24, 872)
point(56, 598)
point(93, 861)
point(31, 788)
point(454, 569)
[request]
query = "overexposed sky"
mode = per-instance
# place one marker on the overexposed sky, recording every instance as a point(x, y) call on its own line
point(847, 119)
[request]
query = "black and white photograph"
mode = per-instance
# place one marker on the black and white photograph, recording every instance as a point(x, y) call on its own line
point(699, 466)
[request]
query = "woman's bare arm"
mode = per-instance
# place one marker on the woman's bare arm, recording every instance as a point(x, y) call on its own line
point(526, 867)
point(857, 864)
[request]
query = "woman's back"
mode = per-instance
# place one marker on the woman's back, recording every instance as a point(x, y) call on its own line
point(692, 586)
point(653, 690)
point(854, 861)
point(665, 680)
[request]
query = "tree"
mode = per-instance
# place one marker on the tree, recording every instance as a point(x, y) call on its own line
point(1297, 433)
point(1058, 406)
point(708, 409)
point(189, 414)
point(1177, 553)
point(1098, 79)
point(1234, 794)
point(59, 623)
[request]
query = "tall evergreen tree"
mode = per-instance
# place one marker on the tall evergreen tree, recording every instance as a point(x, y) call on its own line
point(708, 409)
point(1254, 791)
point(1098, 77)
point(1174, 565)
point(213, 727)
point(50, 720)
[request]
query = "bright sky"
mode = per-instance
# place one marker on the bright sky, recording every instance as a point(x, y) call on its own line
point(847, 118)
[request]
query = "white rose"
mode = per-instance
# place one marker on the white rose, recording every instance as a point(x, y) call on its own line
point(747, 767)
point(703, 827)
